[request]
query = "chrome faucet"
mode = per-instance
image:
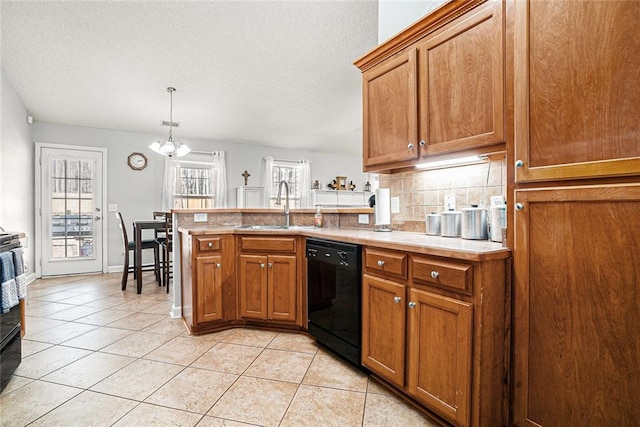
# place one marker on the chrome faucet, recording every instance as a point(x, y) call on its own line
point(286, 203)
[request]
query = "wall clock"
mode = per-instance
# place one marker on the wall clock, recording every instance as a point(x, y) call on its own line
point(137, 161)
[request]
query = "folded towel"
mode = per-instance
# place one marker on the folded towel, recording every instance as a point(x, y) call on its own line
point(8, 282)
point(21, 277)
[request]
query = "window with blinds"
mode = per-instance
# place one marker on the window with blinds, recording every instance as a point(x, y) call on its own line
point(290, 172)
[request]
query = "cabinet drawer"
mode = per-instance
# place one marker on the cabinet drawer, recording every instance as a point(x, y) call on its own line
point(208, 243)
point(271, 244)
point(456, 276)
point(394, 263)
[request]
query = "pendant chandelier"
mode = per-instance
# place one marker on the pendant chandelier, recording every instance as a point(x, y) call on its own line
point(170, 147)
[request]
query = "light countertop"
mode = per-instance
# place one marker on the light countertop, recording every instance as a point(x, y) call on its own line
point(453, 247)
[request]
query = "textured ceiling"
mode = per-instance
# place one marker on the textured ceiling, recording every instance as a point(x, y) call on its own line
point(275, 73)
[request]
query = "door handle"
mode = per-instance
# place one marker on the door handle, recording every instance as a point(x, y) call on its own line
point(97, 218)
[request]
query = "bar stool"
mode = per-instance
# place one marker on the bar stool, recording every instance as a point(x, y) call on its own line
point(131, 246)
point(165, 241)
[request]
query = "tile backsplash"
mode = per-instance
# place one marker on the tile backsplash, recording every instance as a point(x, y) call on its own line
point(422, 192)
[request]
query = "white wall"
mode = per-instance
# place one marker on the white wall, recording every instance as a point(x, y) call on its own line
point(138, 193)
point(396, 15)
point(16, 168)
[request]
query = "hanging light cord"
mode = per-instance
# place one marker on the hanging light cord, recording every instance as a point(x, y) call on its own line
point(170, 90)
point(486, 184)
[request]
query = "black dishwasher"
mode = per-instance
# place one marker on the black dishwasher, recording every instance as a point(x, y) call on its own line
point(334, 296)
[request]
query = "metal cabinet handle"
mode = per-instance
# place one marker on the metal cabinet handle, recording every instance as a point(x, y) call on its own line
point(261, 265)
point(519, 206)
point(422, 143)
point(410, 146)
point(210, 245)
point(519, 163)
point(380, 263)
point(434, 274)
point(270, 265)
point(397, 299)
point(412, 304)
point(218, 265)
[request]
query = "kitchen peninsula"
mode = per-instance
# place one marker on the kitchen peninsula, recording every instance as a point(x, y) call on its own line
point(435, 310)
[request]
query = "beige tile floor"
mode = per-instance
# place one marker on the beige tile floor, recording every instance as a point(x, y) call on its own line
point(96, 355)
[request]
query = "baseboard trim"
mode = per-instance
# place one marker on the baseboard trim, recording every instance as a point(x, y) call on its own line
point(115, 268)
point(176, 312)
point(31, 278)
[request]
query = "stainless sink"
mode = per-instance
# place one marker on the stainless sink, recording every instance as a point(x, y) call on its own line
point(275, 227)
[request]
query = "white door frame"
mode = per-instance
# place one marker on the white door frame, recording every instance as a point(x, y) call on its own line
point(38, 204)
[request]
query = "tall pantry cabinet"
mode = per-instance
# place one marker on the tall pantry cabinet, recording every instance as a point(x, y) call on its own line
point(576, 242)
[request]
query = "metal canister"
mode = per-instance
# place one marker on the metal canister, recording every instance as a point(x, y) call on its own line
point(450, 224)
point(498, 222)
point(474, 223)
point(432, 224)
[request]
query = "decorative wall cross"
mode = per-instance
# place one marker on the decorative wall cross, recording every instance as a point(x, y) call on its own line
point(246, 176)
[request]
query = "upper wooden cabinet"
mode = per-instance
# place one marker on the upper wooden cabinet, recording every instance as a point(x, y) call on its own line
point(390, 111)
point(461, 74)
point(577, 89)
point(440, 93)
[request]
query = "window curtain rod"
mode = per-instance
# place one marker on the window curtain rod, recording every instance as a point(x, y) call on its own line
point(287, 161)
point(206, 153)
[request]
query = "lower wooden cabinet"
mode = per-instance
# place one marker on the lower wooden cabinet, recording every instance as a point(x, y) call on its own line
point(267, 287)
point(207, 280)
point(208, 298)
point(229, 280)
point(439, 356)
point(576, 312)
point(383, 328)
point(436, 330)
point(268, 278)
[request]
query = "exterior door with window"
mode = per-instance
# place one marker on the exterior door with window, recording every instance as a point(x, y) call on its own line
point(70, 211)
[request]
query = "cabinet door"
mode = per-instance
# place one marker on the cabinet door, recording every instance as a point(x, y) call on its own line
point(576, 89)
point(208, 288)
point(383, 328)
point(576, 341)
point(282, 281)
point(390, 109)
point(462, 83)
point(439, 373)
point(253, 286)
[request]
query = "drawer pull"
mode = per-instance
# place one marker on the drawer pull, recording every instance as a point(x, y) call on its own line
point(422, 143)
point(397, 299)
point(270, 265)
point(410, 146)
point(210, 245)
point(380, 263)
point(434, 274)
point(412, 304)
point(261, 265)
point(218, 265)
